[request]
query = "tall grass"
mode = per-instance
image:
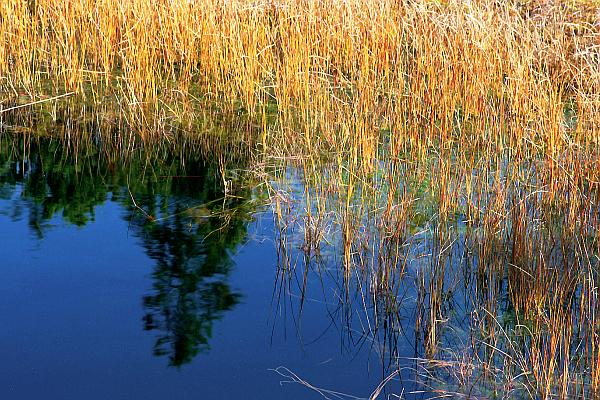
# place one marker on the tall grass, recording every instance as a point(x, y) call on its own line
point(342, 71)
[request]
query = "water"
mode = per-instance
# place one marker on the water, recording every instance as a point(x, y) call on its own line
point(181, 274)
point(183, 300)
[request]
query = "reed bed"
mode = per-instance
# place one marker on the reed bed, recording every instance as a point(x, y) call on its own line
point(342, 72)
point(443, 154)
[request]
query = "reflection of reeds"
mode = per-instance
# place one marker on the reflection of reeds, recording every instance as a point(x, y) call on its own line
point(486, 261)
point(509, 310)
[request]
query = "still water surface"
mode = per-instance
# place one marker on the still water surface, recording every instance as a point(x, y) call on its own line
point(100, 300)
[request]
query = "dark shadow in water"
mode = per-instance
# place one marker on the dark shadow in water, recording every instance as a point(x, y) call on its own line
point(192, 247)
point(176, 207)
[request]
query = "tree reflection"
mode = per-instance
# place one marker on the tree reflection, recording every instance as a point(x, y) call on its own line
point(192, 249)
point(188, 226)
point(53, 183)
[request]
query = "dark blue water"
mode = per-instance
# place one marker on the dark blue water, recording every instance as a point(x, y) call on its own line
point(175, 296)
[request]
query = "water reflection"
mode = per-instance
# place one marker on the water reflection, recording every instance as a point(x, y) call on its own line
point(447, 305)
point(192, 248)
point(176, 207)
point(452, 308)
point(190, 283)
point(53, 183)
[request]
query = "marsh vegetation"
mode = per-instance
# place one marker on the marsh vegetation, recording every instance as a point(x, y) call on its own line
point(438, 159)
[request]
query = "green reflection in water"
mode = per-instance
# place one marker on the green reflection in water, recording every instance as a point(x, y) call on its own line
point(175, 205)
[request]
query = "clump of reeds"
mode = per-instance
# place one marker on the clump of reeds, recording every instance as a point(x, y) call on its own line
point(338, 73)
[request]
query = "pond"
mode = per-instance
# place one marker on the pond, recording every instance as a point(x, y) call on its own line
point(203, 265)
point(147, 280)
